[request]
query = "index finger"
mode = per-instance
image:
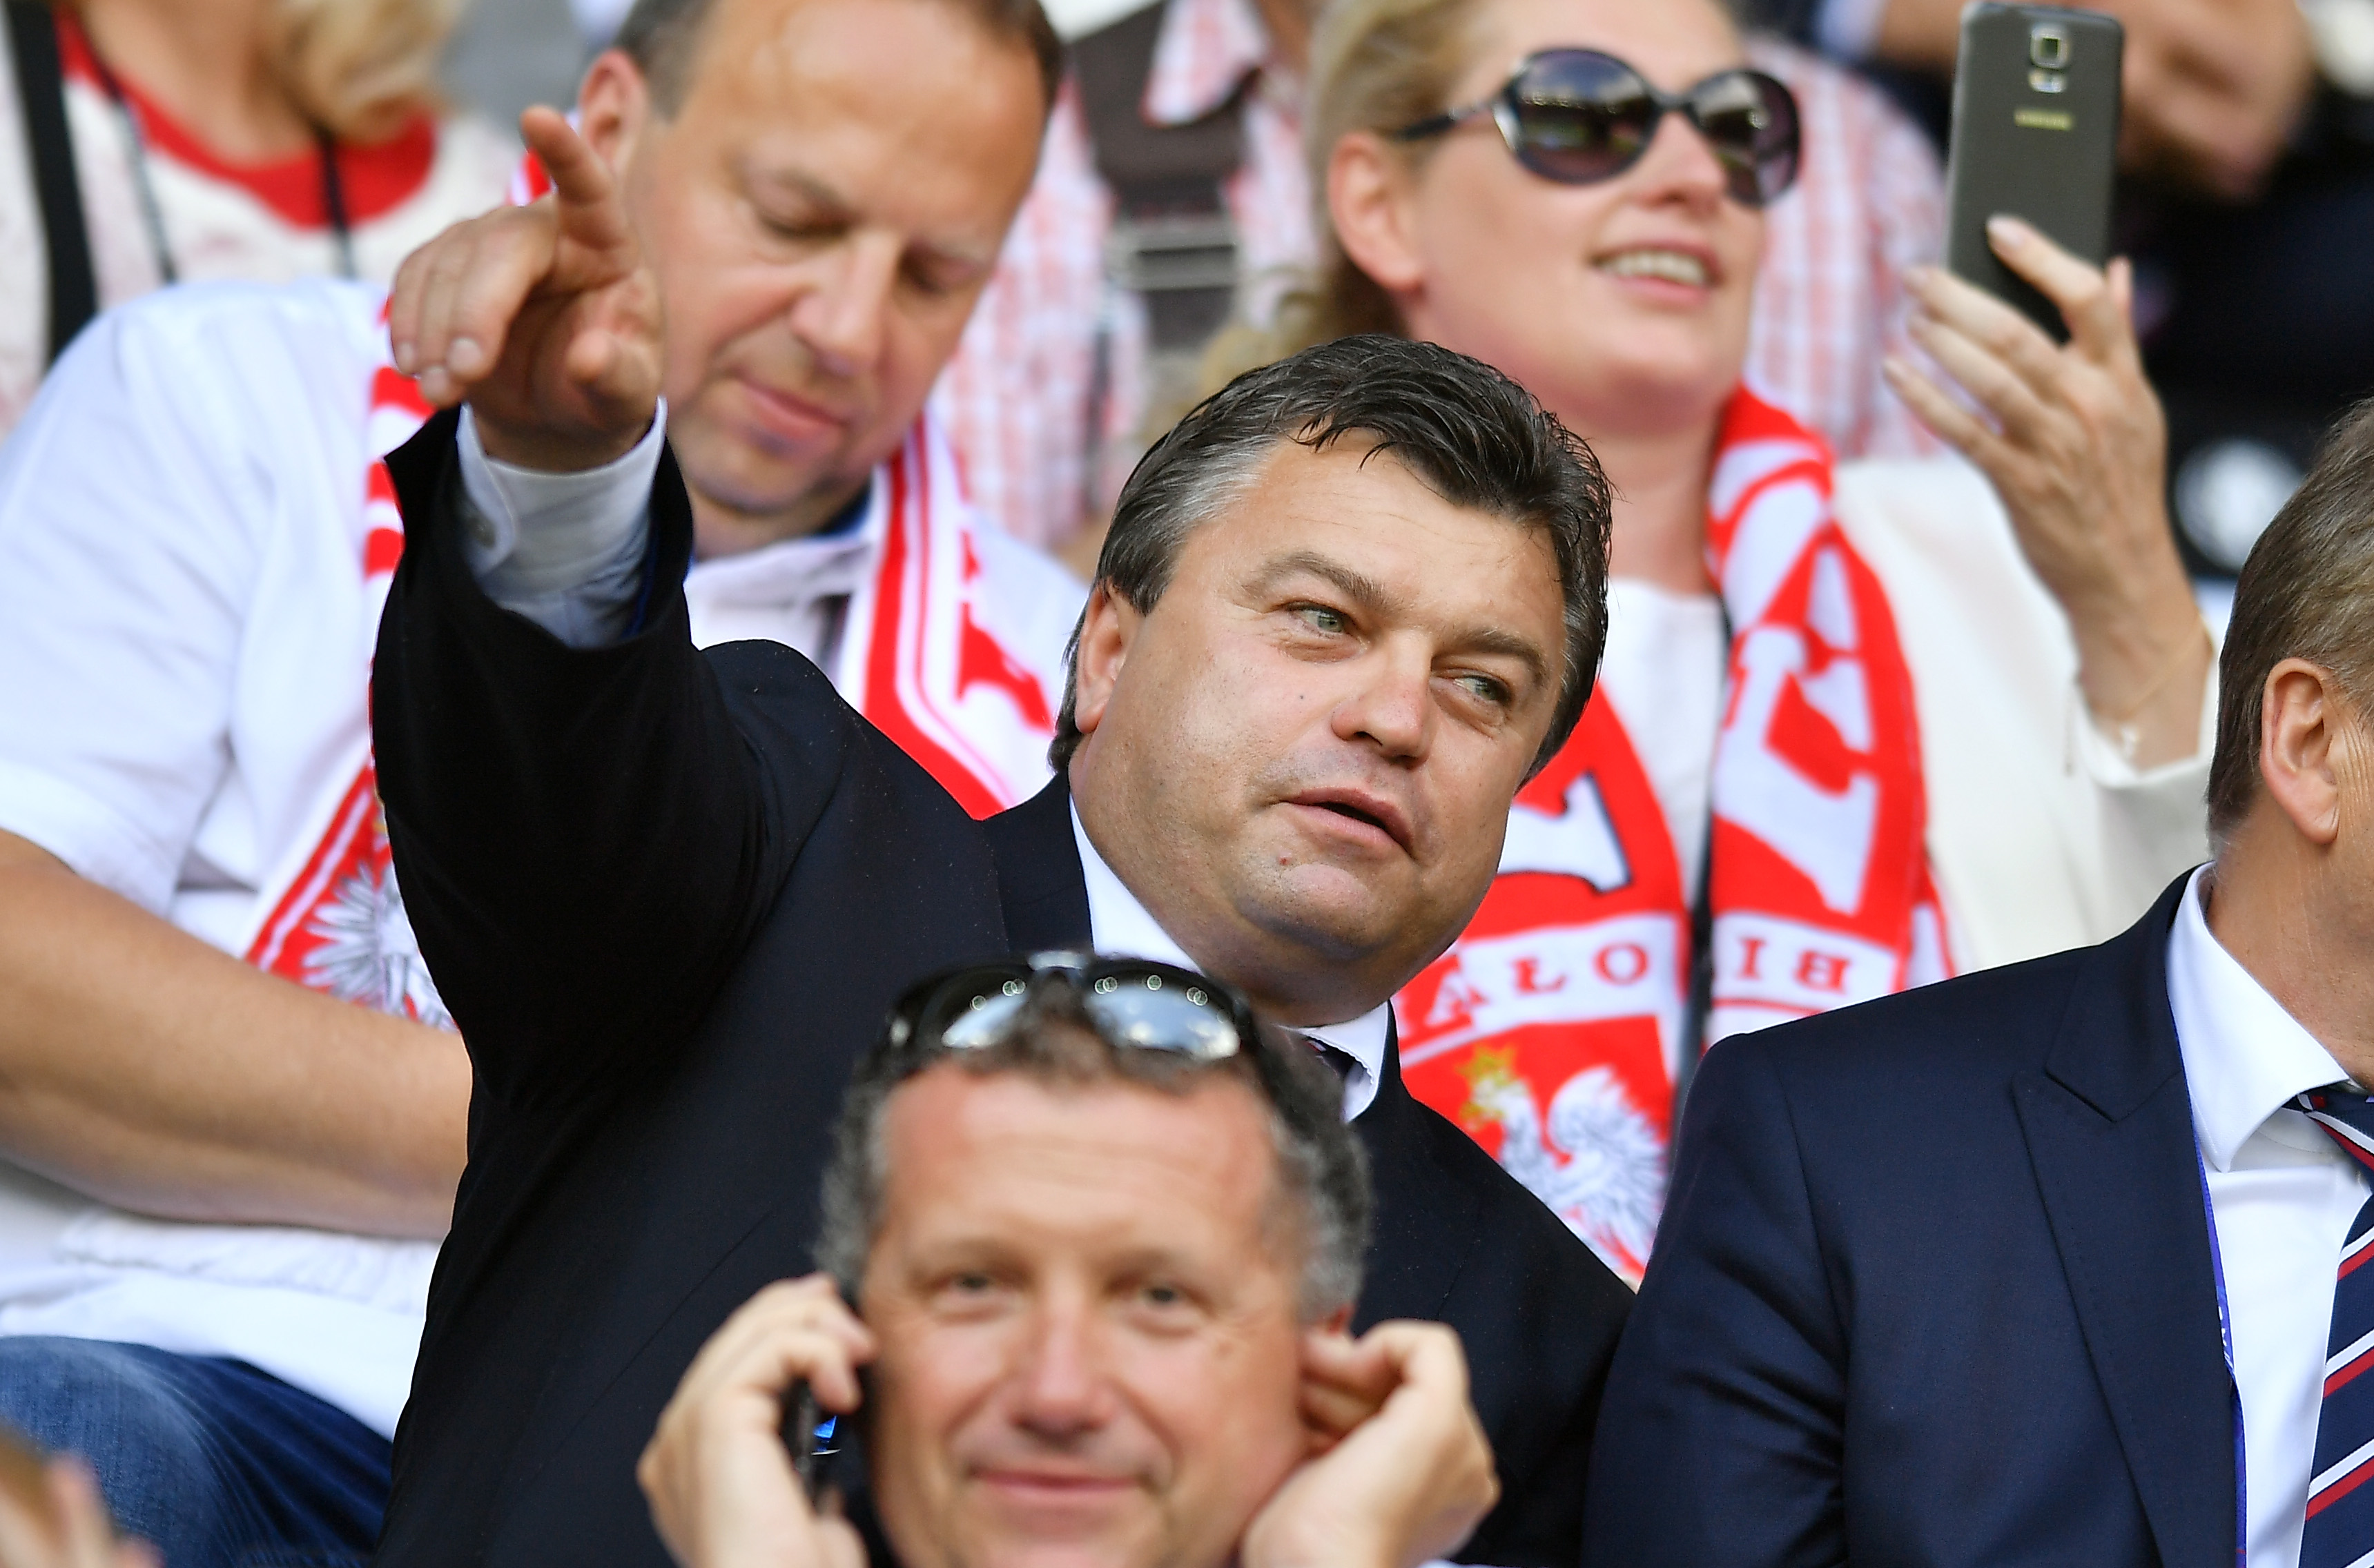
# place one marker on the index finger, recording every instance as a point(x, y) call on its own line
point(583, 189)
point(2097, 320)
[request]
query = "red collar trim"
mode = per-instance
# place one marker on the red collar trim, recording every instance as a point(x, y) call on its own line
point(377, 179)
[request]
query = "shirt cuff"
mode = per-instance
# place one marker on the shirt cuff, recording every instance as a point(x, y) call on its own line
point(2110, 768)
point(565, 550)
point(1848, 29)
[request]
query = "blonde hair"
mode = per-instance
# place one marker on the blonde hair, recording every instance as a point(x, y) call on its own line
point(360, 69)
point(1375, 66)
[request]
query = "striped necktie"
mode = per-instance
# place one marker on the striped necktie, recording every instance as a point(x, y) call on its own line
point(2340, 1531)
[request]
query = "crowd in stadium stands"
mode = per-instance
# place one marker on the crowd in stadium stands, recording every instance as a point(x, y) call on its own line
point(1305, 782)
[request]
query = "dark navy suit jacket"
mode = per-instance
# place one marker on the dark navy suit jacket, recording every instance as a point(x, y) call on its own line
point(669, 896)
point(1933, 1287)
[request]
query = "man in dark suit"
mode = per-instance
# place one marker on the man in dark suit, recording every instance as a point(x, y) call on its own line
point(1344, 612)
point(2056, 1264)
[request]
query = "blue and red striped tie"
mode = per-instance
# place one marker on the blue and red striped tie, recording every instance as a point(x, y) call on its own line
point(2340, 1532)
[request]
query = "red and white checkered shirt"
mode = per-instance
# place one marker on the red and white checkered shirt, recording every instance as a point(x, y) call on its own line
point(1020, 396)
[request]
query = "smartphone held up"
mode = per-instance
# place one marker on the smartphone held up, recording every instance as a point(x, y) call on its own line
point(2035, 136)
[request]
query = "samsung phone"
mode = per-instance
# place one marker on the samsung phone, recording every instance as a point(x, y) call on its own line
point(2036, 135)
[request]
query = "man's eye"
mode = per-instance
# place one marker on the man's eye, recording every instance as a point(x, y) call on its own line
point(1486, 689)
point(1326, 622)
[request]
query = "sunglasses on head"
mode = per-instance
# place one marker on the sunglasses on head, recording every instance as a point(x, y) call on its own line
point(1133, 1003)
point(1578, 116)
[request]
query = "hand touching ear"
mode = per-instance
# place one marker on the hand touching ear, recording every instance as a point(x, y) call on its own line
point(1401, 1470)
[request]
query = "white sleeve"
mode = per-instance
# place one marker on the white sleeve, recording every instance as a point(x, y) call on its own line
point(2157, 818)
point(129, 552)
point(565, 550)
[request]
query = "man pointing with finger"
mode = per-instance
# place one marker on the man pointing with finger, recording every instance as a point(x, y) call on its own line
point(1347, 607)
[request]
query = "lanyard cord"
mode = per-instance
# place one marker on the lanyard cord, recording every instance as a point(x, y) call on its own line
point(152, 216)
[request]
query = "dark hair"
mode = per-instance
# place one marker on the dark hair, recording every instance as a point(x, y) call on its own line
point(2306, 592)
point(1475, 437)
point(1323, 1172)
point(662, 37)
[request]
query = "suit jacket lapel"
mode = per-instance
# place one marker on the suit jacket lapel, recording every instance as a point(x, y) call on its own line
point(1419, 1204)
point(2109, 1124)
point(1038, 877)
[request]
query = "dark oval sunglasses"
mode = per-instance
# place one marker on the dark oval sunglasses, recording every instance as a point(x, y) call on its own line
point(1134, 1002)
point(1578, 116)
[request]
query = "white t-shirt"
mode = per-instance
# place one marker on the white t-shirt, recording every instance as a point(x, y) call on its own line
point(185, 642)
point(1664, 673)
point(186, 631)
point(260, 223)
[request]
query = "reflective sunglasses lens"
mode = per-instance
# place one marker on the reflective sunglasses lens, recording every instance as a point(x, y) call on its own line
point(1576, 116)
point(1751, 122)
point(969, 1016)
point(1152, 1013)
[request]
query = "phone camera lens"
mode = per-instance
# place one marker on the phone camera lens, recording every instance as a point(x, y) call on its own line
point(2048, 46)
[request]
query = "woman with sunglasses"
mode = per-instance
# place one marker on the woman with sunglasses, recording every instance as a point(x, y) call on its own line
point(1857, 728)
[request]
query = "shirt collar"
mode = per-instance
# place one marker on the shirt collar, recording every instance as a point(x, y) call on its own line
point(831, 563)
point(1118, 923)
point(2245, 1057)
point(1204, 52)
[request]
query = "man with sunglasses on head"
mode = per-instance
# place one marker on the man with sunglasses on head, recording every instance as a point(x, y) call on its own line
point(1098, 1238)
point(1347, 608)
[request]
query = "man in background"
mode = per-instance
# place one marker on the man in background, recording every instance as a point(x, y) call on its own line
point(2060, 1261)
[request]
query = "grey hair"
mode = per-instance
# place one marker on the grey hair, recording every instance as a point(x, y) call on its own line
point(1323, 1172)
point(2306, 592)
point(1472, 435)
point(662, 37)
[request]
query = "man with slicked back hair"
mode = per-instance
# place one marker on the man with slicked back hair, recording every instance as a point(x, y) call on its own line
point(1348, 605)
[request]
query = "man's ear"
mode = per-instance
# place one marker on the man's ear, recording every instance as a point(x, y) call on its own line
point(2301, 747)
point(1338, 1321)
point(1369, 194)
point(1107, 628)
point(614, 107)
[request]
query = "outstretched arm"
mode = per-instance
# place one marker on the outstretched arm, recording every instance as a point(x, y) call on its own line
point(584, 837)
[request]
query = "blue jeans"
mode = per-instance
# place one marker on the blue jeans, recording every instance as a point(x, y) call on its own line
point(217, 1464)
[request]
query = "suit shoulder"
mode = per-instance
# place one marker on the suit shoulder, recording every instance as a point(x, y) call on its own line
point(1983, 1026)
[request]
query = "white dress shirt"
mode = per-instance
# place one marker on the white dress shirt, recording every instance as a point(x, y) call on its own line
point(1118, 923)
point(2283, 1196)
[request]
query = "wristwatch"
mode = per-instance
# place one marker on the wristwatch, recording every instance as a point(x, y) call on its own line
point(2341, 33)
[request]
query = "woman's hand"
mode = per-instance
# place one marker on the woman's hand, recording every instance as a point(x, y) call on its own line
point(720, 1481)
point(2076, 446)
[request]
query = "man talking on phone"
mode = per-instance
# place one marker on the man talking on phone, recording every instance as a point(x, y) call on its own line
point(1103, 1236)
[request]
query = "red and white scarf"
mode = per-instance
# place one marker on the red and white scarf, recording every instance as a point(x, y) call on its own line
point(1552, 1030)
point(915, 660)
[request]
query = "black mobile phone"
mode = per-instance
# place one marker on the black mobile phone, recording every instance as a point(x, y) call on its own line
point(810, 1436)
point(2036, 135)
